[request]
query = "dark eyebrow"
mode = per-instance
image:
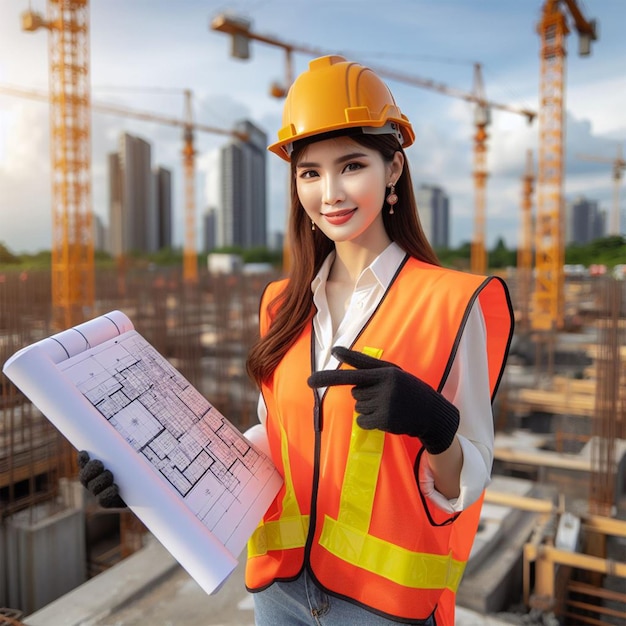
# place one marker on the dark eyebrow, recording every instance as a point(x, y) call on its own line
point(339, 161)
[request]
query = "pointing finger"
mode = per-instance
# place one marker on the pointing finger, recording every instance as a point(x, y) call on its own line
point(328, 378)
point(358, 359)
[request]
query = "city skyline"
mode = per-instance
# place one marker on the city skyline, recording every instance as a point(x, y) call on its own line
point(140, 203)
point(146, 69)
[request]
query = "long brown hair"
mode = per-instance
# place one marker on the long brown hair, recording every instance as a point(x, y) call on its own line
point(293, 309)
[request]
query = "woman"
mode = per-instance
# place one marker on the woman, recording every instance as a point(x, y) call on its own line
point(377, 369)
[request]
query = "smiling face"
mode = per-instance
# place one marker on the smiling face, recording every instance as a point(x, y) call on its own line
point(341, 185)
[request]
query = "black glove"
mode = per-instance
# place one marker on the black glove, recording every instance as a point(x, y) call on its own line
point(393, 400)
point(99, 481)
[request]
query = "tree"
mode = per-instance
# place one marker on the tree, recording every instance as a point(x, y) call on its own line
point(7, 257)
point(501, 256)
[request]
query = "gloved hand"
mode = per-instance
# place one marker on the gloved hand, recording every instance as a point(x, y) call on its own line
point(99, 481)
point(393, 400)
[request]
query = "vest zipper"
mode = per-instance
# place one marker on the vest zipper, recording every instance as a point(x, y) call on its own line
point(317, 425)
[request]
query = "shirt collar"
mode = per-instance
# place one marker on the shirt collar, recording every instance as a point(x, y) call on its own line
point(383, 268)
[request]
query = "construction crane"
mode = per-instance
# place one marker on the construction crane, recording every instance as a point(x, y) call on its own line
point(73, 269)
point(239, 30)
point(524, 249)
point(190, 265)
point(619, 164)
point(72, 260)
point(482, 119)
point(548, 301)
point(70, 131)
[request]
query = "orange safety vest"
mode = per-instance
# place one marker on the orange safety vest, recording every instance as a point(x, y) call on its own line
point(350, 509)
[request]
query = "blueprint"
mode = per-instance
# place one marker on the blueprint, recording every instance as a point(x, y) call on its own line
point(196, 482)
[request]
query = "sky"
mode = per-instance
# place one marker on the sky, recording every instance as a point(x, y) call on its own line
point(144, 53)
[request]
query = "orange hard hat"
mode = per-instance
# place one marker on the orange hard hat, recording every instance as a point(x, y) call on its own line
point(333, 94)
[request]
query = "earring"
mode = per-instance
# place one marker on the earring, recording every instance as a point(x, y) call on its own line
point(392, 198)
point(312, 225)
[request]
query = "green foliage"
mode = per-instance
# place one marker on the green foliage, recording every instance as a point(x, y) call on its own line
point(501, 256)
point(166, 257)
point(26, 261)
point(259, 254)
point(457, 258)
point(609, 251)
point(263, 255)
point(7, 257)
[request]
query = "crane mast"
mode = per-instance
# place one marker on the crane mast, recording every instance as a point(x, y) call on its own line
point(482, 118)
point(524, 250)
point(548, 302)
point(72, 264)
point(190, 260)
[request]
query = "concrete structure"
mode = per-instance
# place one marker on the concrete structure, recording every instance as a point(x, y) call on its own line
point(149, 587)
point(43, 556)
point(433, 207)
point(242, 212)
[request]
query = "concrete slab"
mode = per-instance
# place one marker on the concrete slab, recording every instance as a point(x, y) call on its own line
point(151, 588)
point(107, 592)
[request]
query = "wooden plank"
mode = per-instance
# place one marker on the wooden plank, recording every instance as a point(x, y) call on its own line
point(542, 458)
point(597, 592)
point(557, 402)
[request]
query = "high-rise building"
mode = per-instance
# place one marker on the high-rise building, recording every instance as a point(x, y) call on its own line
point(433, 208)
point(585, 221)
point(163, 200)
point(242, 211)
point(100, 233)
point(209, 230)
point(140, 209)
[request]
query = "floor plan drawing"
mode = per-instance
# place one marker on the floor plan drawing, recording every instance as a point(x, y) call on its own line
point(163, 417)
point(187, 472)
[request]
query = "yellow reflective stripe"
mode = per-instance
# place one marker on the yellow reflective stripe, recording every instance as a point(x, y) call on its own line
point(417, 570)
point(290, 504)
point(361, 476)
point(291, 529)
point(281, 534)
point(377, 353)
point(359, 484)
point(347, 537)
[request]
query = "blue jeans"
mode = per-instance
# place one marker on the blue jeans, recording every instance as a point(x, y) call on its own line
point(301, 603)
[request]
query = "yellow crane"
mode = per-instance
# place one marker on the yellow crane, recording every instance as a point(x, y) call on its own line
point(482, 119)
point(619, 165)
point(70, 148)
point(190, 265)
point(241, 34)
point(72, 246)
point(548, 301)
point(69, 96)
point(524, 249)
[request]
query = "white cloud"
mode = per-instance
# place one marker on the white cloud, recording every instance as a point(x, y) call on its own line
point(153, 44)
point(25, 205)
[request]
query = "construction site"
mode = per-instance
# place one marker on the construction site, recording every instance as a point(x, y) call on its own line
point(551, 546)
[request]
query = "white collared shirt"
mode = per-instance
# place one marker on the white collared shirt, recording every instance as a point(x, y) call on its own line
point(467, 385)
